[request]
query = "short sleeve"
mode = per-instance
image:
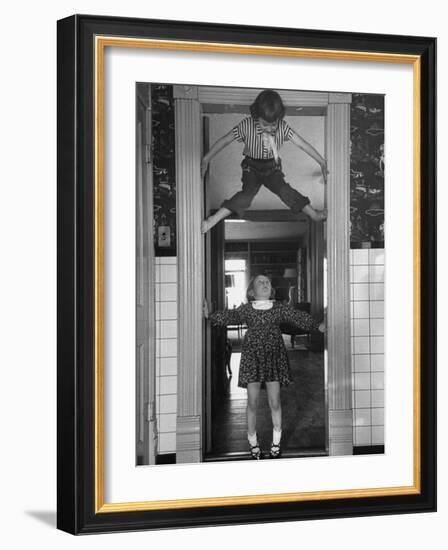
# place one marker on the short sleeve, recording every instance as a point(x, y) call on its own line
point(240, 130)
point(287, 131)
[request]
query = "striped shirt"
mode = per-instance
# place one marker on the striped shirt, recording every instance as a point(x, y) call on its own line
point(256, 142)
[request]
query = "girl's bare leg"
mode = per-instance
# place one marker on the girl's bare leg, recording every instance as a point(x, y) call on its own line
point(273, 389)
point(253, 392)
point(315, 215)
point(215, 218)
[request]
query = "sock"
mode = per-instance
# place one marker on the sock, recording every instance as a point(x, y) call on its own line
point(276, 436)
point(252, 439)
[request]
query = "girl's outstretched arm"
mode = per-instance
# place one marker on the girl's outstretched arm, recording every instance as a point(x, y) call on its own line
point(299, 142)
point(226, 317)
point(214, 149)
point(301, 319)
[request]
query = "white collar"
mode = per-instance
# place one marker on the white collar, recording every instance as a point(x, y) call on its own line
point(262, 304)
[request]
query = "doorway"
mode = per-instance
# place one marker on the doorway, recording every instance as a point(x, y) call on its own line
point(282, 249)
point(192, 431)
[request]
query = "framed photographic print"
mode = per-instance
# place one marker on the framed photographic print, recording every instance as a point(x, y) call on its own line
point(246, 274)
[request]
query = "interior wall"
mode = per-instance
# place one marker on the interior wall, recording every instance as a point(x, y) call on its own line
point(367, 314)
point(166, 353)
point(301, 171)
point(304, 174)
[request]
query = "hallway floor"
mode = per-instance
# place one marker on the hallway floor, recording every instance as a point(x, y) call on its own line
point(303, 412)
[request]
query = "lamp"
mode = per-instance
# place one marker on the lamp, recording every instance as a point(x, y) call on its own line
point(290, 273)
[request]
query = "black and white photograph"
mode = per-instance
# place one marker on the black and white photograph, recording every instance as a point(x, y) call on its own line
point(222, 295)
point(265, 208)
point(248, 263)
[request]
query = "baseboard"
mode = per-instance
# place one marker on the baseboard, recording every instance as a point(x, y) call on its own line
point(169, 458)
point(368, 450)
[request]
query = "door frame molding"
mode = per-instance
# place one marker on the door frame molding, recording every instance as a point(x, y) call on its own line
point(190, 247)
point(145, 358)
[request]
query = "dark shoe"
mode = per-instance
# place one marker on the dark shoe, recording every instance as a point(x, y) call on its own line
point(255, 452)
point(275, 451)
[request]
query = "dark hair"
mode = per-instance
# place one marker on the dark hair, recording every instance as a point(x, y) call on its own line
point(250, 288)
point(268, 105)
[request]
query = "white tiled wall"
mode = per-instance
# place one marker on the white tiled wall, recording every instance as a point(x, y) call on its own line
point(367, 314)
point(166, 352)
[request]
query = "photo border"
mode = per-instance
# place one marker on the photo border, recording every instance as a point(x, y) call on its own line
point(81, 46)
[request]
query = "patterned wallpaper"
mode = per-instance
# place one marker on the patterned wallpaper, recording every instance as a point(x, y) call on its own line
point(164, 170)
point(366, 171)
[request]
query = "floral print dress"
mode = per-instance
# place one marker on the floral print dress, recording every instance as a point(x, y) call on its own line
point(263, 356)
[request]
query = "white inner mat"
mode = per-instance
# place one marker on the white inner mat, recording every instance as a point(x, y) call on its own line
point(124, 482)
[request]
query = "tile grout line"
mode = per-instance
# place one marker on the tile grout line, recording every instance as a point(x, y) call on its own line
point(370, 348)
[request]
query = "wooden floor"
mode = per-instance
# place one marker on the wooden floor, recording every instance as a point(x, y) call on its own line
point(303, 412)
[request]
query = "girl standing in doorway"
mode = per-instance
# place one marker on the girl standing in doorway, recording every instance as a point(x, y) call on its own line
point(263, 133)
point(264, 360)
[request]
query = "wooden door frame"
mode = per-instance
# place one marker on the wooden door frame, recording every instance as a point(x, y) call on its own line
point(188, 105)
point(146, 424)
